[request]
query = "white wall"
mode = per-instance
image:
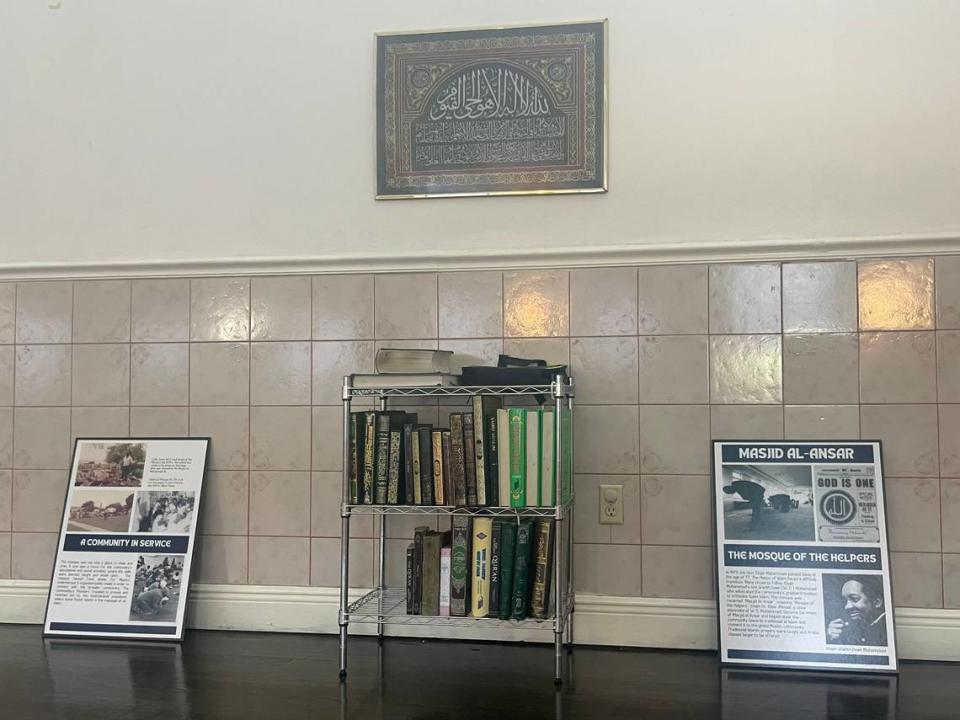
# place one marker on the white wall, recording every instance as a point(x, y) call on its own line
point(194, 129)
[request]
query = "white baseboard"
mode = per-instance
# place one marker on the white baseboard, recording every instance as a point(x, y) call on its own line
point(599, 619)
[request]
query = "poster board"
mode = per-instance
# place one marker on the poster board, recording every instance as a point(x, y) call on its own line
point(803, 568)
point(127, 536)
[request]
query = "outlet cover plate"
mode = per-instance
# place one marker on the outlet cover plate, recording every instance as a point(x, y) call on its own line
point(611, 504)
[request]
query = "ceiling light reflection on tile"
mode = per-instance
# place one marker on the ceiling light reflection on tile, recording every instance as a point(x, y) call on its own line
point(896, 294)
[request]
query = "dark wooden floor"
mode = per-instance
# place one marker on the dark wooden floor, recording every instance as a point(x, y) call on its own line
point(268, 677)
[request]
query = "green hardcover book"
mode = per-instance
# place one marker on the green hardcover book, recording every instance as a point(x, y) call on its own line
point(521, 570)
point(508, 541)
point(430, 597)
point(459, 565)
point(356, 457)
point(369, 456)
point(517, 419)
point(382, 460)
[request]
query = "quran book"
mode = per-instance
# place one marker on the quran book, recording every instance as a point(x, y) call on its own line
point(548, 477)
point(480, 567)
point(458, 465)
point(470, 460)
point(508, 541)
point(503, 457)
point(459, 565)
point(521, 570)
point(533, 458)
point(369, 456)
point(430, 598)
point(439, 482)
point(518, 456)
point(425, 433)
point(542, 566)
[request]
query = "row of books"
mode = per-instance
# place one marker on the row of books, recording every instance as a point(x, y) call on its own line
point(491, 456)
point(483, 567)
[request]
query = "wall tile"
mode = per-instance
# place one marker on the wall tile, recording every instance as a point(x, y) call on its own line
point(101, 374)
point(949, 422)
point(325, 495)
point(225, 503)
point(280, 373)
point(896, 294)
point(7, 364)
point(919, 579)
point(607, 569)
point(40, 438)
point(160, 374)
point(38, 500)
point(536, 304)
point(327, 435)
point(951, 581)
point(220, 309)
point(471, 304)
point(343, 307)
point(279, 561)
point(948, 292)
point(606, 439)
point(219, 373)
point(948, 366)
point(678, 572)
point(32, 555)
point(325, 563)
point(586, 525)
point(280, 308)
point(332, 360)
point(909, 437)
point(473, 352)
point(822, 422)
point(99, 422)
point(161, 310)
point(820, 297)
point(43, 375)
point(746, 422)
point(605, 369)
point(820, 369)
point(280, 438)
point(44, 312)
point(6, 437)
point(675, 439)
point(101, 311)
point(676, 510)
point(603, 301)
point(159, 421)
point(674, 369)
point(221, 559)
point(280, 503)
point(229, 431)
point(6, 500)
point(672, 300)
point(555, 351)
point(898, 367)
point(745, 298)
point(950, 514)
point(8, 316)
point(405, 305)
point(913, 514)
point(5, 552)
point(746, 369)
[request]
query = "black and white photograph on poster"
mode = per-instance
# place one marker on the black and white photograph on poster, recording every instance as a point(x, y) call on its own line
point(854, 610)
point(803, 566)
point(773, 502)
point(104, 464)
point(163, 511)
point(100, 510)
point(156, 588)
point(128, 530)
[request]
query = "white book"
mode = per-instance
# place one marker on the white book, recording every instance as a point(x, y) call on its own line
point(548, 475)
point(445, 581)
point(503, 456)
point(533, 458)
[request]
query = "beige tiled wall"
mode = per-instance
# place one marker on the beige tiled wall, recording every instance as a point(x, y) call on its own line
point(665, 358)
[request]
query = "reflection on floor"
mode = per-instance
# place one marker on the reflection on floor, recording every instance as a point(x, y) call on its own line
point(251, 675)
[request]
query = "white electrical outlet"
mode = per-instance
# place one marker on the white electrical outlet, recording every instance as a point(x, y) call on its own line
point(611, 504)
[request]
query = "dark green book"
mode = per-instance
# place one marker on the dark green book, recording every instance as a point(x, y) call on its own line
point(459, 566)
point(356, 457)
point(407, 481)
point(426, 464)
point(369, 456)
point(382, 462)
point(490, 459)
point(430, 593)
point(508, 541)
point(411, 603)
point(521, 571)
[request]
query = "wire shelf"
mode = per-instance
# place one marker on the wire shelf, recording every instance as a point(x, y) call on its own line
point(389, 606)
point(566, 390)
point(480, 511)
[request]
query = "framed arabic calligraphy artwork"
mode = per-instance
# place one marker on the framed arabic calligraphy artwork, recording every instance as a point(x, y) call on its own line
point(498, 111)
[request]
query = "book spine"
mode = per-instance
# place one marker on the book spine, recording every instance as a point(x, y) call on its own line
point(508, 542)
point(383, 459)
point(426, 464)
point(503, 457)
point(518, 457)
point(436, 442)
point(459, 562)
point(480, 585)
point(458, 467)
point(480, 451)
point(445, 582)
point(470, 462)
point(418, 567)
point(495, 541)
point(354, 485)
point(411, 603)
point(533, 458)
point(406, 477)
point(490, 459)
point(414, 478)
point(393, 476)
point(548, 471)
point(447, 469)
point(369, 456)
point(430, 598)
point(521, 571)
point(540, 590)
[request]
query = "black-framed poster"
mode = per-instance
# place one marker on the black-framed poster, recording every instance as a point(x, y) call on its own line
point(127, 537)
point(492, 111)
point(803, 567)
